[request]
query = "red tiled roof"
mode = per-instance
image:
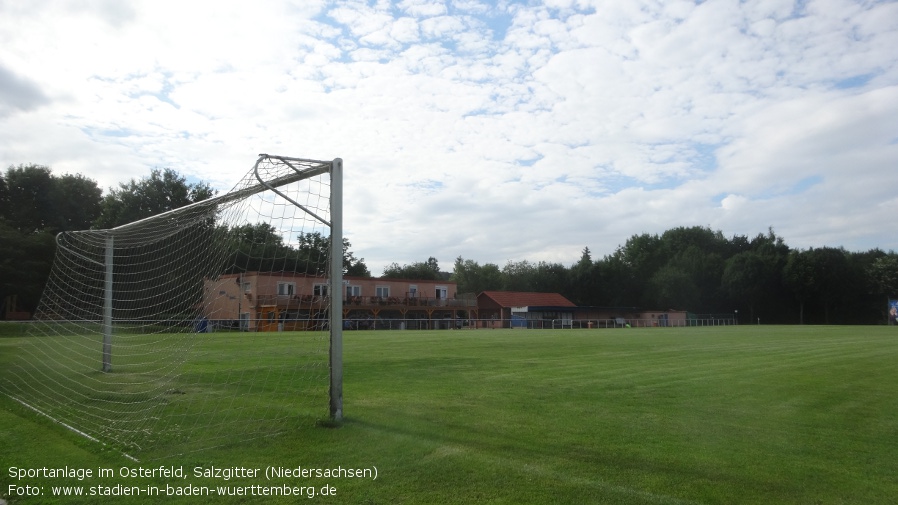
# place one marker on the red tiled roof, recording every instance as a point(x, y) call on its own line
point(526, 299)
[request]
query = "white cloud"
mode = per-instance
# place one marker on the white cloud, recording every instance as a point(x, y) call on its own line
point(493, 131)
point(422, 8)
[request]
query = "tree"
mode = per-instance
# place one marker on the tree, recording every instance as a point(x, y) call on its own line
point(25, 261)
point(76, 202)
point(35, 205)
point(861, 302)
point(551, 278)
point(162, 191)
point(32, 199)
point(672, 288)
point(832, 273)
point(28, 207)
point(313, 249)
point(883, 275)
point(615, 285)
point(774, 298)
point(423, 270)
point(799, 277)
point(519, 276)
point(746, 278)
point(700, 270)
point(4, 197)
point(472, 277)
point(356, 268)
point(677, 240)
point(313, 246)
point(583, 281)
point(642, 255)
point(259, 247)
point(818, 275)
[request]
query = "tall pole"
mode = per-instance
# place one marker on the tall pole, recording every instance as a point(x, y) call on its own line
point(107, 307)
point(336, 292)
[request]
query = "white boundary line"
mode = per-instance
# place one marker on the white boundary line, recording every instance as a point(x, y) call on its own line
point(69, 427)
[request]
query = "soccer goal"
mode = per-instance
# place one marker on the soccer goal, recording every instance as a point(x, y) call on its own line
point(216, 322)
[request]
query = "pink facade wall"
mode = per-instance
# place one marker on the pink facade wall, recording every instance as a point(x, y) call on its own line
point(227, 297)
point(400, 288)
point(220, 298)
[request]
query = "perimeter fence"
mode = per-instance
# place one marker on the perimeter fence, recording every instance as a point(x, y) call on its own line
point(19, 328)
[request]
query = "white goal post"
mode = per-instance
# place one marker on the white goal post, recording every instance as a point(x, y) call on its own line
point(133, 303)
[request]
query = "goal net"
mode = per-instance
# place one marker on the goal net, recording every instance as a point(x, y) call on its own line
point(213, 323)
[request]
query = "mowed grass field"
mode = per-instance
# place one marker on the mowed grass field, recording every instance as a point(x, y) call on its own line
point(747, 414)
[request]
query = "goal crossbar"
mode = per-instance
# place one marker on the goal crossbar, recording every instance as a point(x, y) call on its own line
point(310, 168)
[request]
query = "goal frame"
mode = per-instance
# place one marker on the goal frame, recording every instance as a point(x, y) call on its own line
point(335, 268)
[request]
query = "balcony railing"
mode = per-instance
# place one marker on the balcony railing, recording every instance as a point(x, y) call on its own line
point(406, 301)
point(366, 301)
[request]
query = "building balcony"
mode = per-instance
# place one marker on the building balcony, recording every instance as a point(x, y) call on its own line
point(298, 302)
point(407, 302)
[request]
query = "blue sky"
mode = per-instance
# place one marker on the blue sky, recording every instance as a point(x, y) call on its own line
point(494, 131)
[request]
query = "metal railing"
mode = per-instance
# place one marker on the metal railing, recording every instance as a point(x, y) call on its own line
point(372, 323)
point(618, 322)
point(367, 323)
point(364, 301)
point(408, 301)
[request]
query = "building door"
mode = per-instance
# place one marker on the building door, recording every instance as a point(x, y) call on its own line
point(268, 318)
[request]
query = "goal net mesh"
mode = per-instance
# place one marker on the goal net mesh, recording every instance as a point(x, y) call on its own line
point(195, 328)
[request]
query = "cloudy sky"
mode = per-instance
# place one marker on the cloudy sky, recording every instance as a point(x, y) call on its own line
point(495, 131)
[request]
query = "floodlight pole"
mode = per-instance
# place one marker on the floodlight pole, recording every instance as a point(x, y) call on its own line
point(336, 291)
point(107, 306)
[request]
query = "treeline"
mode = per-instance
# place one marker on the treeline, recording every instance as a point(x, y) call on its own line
point(36, 205)
point(259, 247)
point(702, 271)
point(686, 268)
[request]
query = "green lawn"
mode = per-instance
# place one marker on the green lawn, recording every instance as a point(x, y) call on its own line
point(660, 415)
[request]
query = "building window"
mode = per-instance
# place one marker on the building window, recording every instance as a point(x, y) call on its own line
point(319, 290)
point(441, 292)
point(382, 291)
point(413, 291)
point(247, 287)
point(286, 288)
point(353, 291)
